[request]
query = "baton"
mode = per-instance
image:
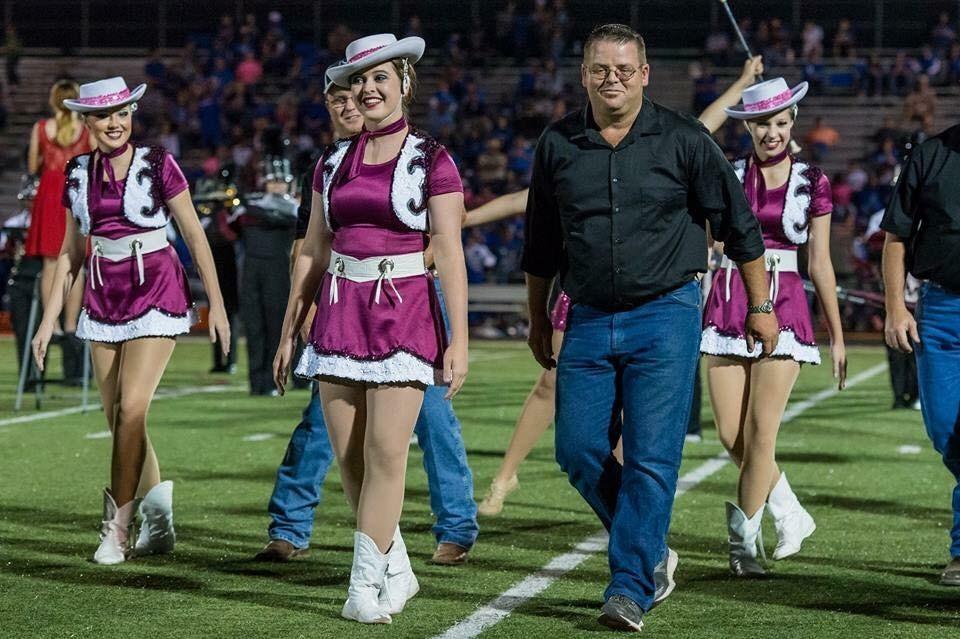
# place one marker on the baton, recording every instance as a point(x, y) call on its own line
point(736, 29)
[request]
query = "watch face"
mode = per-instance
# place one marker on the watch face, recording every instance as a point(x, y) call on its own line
point(767, 307)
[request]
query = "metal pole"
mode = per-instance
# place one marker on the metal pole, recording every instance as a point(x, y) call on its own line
point(878, 24)
point(162, 24)
point(26, 362)
point(85, 23)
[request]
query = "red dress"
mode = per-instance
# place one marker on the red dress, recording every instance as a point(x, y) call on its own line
point(47, 217)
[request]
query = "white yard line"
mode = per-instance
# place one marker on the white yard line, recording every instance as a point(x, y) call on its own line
point(500, 608)
point(95, 405)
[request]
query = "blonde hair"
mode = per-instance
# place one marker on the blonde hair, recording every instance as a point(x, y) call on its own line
point(66, 122)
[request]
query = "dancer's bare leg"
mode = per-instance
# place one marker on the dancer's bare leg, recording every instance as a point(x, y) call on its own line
point(106, 366)
point(729, 396)
point(535, 418)
point(771, 381)
point(142, 363)
point(391, 415)
point(345, 412)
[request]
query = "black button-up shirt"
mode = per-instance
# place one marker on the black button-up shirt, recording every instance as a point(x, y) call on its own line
point(625, 224)
point(925, 210)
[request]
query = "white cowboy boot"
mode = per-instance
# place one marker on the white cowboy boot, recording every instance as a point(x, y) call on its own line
point(792, 522)
point(400, 584)
point(156, 521)
point(744, 538)
point(366, 582)
point(115, 531)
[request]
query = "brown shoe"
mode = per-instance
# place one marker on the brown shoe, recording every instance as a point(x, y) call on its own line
point(951, 574)
point(280, 551)
point(448, 554)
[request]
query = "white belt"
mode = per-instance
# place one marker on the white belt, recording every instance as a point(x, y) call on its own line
point(135, 245)
point(385, 267)
point(775, 261)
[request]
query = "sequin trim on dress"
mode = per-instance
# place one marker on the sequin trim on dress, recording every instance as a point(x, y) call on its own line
point(712, 342)
point(153, 323)
point(397, 367)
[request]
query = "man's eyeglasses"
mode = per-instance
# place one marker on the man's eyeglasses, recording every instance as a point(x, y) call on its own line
point(600, 73)
point(339, 103)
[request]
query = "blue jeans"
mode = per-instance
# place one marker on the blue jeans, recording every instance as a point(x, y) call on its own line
point(641, 362)
point(297, 491)
point(938, 375)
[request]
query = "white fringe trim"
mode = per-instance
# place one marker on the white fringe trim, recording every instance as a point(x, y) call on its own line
point(713, 343)
point(152, 324)
point(797, 205)
point(137, 196)
point(407, 191)
point(333, 162)
point(78, 197)
point(399, 367)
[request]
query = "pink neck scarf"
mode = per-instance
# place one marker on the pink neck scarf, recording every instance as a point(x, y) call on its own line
point(361, 145)
point(753, 184)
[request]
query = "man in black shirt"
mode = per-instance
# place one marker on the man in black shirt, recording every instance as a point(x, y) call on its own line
point(620, 197)
point(922, 223)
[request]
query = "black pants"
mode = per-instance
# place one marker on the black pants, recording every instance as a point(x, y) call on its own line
point(225, 261)
point(266, 285)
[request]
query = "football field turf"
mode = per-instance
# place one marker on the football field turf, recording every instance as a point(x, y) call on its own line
point(878, 492)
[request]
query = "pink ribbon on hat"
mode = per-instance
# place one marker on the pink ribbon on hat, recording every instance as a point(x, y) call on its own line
point(107, 98)
point(365, 53)
point(769, 103)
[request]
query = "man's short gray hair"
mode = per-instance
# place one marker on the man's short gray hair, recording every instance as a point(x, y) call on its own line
point(619, 33)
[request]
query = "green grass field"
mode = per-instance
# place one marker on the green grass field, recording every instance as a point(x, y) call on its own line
point(869, 571)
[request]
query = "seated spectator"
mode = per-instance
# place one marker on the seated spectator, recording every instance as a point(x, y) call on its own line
point(717, 47)
point(886, 158)
point(901, 76)
point(821, 140)
point(520, 158)
point(155, 69)
point(872, 81)
point(478, 256)
point(812, 40)
point(844, 40)
point(314, 116)
point(704, 85)
point(492, 164)
point(249, 71)
point(952, 64)
point(222, 73)
point(942, 36)
point(920, 107)
point(887, 130)
point(929, 64)
point(857, 177)
point(814, 73)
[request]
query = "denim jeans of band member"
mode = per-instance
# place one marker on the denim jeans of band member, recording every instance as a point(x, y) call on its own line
point(297, 491)
point(640, 361)
point(938, 374)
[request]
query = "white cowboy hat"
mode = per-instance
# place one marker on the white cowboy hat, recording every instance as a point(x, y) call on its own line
point(767, 97)
point(373, 50)
point(327, 80)
point(104, 95)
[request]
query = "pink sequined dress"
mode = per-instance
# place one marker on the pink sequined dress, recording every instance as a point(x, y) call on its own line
point(382, 211)
point(784, 214)
point(116, 306)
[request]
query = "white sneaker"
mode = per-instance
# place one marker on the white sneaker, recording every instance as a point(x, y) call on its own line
point(791, 520)
point(157, 535)
point(114, 531)
point(366, 583)
point(663, 577)
point(399, 583)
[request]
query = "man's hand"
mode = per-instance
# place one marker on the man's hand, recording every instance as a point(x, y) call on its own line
point(763, 328)
point(900, 328)
point(540, 341)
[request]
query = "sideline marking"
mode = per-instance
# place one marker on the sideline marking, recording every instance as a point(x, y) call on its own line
point(101, 434)
point(500, 608)
point(258, 437)
point(95, 405)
